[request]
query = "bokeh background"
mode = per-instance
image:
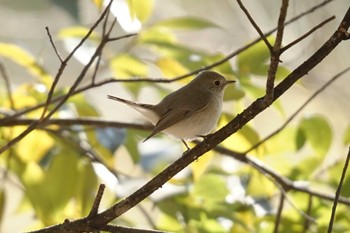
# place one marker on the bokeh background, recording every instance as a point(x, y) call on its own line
point(23, 24)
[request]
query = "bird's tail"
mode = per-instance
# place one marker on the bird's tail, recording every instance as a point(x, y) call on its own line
point(145, 109)
point(131, 103)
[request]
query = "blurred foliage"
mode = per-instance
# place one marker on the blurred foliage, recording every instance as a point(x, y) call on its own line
point(54, 165)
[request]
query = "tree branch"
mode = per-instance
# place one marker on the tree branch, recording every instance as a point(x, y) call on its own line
point(255, 25)
point(285, 48)
point(275, 54)
point(337, 194)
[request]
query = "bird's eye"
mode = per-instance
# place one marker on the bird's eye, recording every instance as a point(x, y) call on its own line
point(217, 82)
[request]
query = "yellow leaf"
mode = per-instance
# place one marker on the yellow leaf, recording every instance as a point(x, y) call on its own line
point(23, 58)
point(142, 9)
point(34, 146)
point(199, 167)
point(242, 140)
point(125, 66)
point(77, 32)
point(32, 175)
point(171, 67)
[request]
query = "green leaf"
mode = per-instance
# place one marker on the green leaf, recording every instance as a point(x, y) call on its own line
point(262, 70)
point(282, 72)
point(86, 186)
point(252, 59)
point(156, 34)
point(210, 188)
point(61, 179)
point(23, 58)
point(318, 133)
point(131, 144)
point(49, 191)
point(300, 139)
point(259, 186)
point(346, 137)
point(83, 107)
point(283, 142)
point(186, 23)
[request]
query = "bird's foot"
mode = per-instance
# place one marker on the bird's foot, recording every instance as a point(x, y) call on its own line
point(204, 136)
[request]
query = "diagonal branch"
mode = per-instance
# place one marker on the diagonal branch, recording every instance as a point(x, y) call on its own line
point(211, 141)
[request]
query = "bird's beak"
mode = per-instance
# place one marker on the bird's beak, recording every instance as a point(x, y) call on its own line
point(230, 81)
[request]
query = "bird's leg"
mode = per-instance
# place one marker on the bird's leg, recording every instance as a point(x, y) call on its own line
point(188, 148)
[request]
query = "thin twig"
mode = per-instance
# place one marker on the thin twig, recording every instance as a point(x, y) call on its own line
point(53, 44)
point(337, 193)
point(97, 201)
point(313, 96)
point(279, 213)
point(275, 54)
point(53, 86)
point(122, 37)
point(283, 49)
point(255, 25)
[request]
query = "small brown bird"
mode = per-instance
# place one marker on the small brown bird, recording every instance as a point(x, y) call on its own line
point(189, 112)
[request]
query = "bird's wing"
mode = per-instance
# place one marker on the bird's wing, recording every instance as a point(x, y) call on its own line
point(174, 115)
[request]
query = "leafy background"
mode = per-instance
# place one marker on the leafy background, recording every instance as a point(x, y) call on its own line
point(53, 173)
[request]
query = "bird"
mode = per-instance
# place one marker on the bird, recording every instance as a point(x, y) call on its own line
point(189, 112)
